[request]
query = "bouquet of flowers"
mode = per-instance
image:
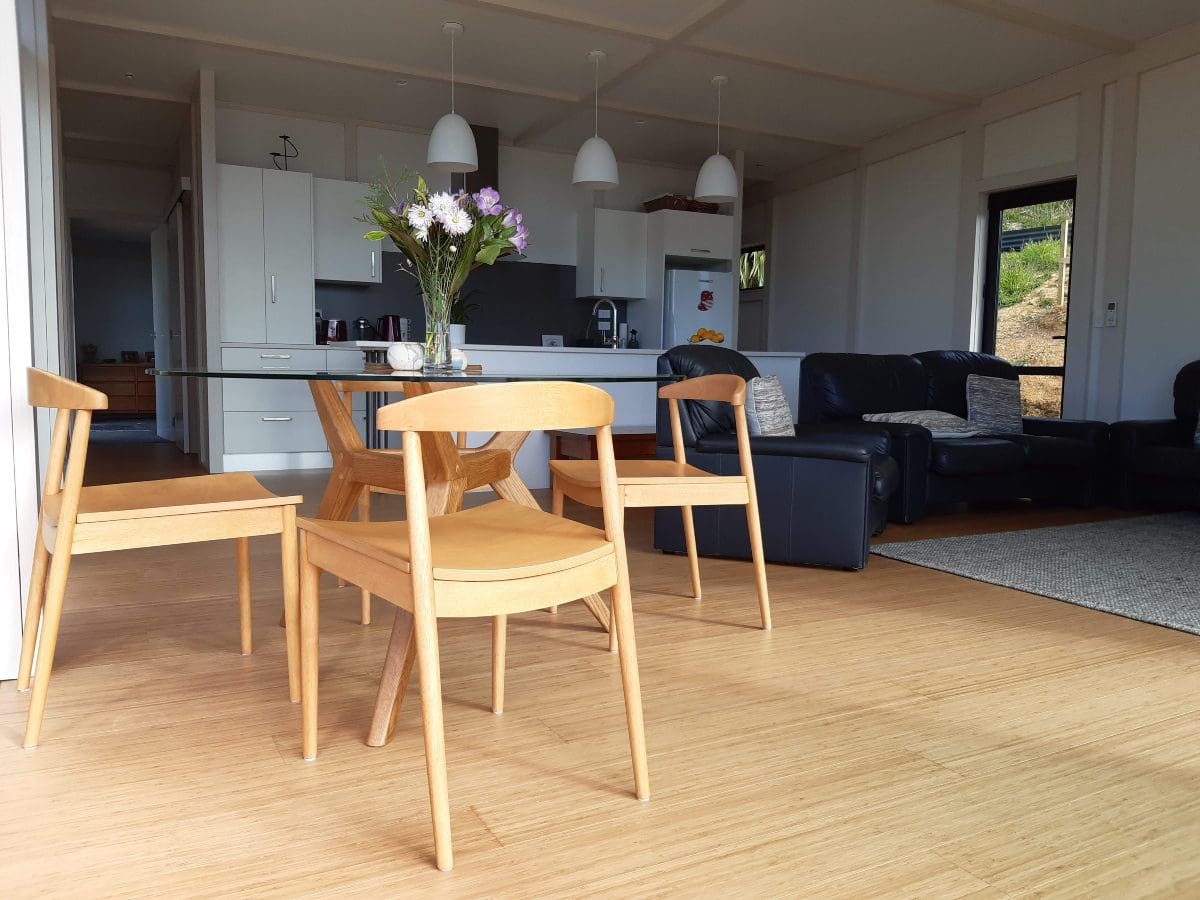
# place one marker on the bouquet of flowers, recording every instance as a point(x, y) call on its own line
point(443, 237)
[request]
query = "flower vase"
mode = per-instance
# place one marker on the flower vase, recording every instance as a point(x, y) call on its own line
point(437, 345)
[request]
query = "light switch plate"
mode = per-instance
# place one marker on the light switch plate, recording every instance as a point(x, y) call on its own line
point(1110, 314)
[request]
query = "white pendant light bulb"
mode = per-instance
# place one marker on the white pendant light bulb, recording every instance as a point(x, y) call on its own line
point(451, 143)
point(717, 182)
point(596, 164)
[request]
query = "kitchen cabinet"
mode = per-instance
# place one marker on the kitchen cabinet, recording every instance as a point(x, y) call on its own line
point(339, 251)
point(695, 235)
point(130, 390)
point(265, 254)
point(611, 254)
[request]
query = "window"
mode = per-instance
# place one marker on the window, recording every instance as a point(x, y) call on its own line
point(753, 267)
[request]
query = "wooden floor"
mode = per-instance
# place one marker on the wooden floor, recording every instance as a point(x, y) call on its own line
point(901, 733)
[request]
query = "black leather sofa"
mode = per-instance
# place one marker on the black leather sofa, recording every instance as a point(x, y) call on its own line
point(1157, 460)
point(1052, 460)
point(821, 494)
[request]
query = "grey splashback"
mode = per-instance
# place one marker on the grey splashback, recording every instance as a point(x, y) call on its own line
point(517, 302)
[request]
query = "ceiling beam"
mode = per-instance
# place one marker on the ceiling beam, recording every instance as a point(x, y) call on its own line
point(1042, 23)
point(89, 87)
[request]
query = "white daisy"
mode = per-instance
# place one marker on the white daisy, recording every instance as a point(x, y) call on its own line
point(420, 217)
point(421, 234)
point(441, 204)
point(456, 221)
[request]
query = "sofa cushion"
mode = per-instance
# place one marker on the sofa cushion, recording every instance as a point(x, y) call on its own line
point(849, 385)
point(1176, 463)
point(700, 417)
point(1045, 452)
point(887, 477)
point(767, 410)
point(976, 456)
point(1187, 392)
point(946, 374)
point(940, 424)
point(823, 445)
point(994, 404)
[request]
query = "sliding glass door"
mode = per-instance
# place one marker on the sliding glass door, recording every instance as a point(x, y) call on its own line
point(1027, 290)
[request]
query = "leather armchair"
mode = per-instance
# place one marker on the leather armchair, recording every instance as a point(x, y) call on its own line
point(1157, 460)
point(822, 493)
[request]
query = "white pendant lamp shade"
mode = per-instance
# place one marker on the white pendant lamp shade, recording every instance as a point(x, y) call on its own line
point(595, 163)
point(452, 144)
point(717, 181)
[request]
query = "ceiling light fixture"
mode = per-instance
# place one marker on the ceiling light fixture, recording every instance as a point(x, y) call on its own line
point(451, 144)
point(400, 82)
point(717, 182)
point(596, 164)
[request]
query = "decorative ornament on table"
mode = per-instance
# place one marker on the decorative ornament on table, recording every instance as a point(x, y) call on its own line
point(443, 237)
point(406, 356)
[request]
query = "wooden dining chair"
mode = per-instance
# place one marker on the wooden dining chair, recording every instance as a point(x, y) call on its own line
point(664, 482)
point(491, 560)
point(347, 390)
point(75, 520)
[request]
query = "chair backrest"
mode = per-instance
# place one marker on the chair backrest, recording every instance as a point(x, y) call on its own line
point(517, 406)
point(727, 389)
point(72, 401)
point(701, 417)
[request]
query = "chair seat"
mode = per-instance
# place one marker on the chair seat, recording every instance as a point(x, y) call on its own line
point(586, 472)
point(499, 541)
point(169, 497)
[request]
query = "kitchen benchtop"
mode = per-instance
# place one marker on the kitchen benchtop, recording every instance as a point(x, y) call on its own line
point(516, 348)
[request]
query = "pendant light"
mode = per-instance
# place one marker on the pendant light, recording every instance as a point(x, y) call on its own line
point(595, 164)
point(451, 144)
point(717, 182)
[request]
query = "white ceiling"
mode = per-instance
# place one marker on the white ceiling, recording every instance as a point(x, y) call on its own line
point(807, 77)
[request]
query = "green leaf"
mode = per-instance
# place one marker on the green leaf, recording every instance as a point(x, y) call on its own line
point(375, 235)
point(489, 254)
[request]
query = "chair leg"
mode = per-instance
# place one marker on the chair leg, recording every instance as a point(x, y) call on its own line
point(499, 646)
point(760, 563)
point(243, 583)
point(435, 738)
point(556, 507)
point(289, 554)
point(310, 577)
point(689, 537)
point(364, 515)
point(56, 589)
point(631, 684)
point(33, 610)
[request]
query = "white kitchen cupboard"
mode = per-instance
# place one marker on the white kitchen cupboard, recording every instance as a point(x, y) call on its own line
point(694, 235)
point(339, 251)
point(265, 255)
point(611, 260)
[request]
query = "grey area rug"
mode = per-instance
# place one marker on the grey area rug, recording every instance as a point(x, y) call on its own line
point(1145, 568)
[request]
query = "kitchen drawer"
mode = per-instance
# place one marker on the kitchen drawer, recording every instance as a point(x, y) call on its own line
point(273, 432)
point(266, 395)
point(345, 360)
point(271, 358)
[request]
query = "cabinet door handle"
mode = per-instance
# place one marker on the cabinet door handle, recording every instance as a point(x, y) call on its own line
point(701, 250)
point(277, 418)
point(274, 367)
point(602, 279)
point(372, 263)
point(274, 356)
point(274, 296)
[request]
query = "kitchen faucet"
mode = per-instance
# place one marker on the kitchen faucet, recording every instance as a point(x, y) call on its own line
point(611, 340)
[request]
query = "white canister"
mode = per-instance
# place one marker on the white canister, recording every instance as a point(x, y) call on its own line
point(458, 359)
point(406, 356)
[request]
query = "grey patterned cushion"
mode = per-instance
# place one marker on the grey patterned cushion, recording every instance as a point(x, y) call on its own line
point(1196, 436)
point(941, 425)
point(994, 404)
point(767, 410)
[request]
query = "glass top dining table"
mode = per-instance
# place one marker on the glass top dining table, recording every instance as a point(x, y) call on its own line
point(417, 376)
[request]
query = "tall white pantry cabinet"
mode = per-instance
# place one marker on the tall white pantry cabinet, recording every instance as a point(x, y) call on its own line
point(265, 245)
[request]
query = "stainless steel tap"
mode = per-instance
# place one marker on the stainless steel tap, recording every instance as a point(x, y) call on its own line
point(611, 339)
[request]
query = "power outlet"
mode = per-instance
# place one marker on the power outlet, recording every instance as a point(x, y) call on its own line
point(1110, 314)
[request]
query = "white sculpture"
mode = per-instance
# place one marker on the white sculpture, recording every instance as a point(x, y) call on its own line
point(406, 356)
point(458, 359)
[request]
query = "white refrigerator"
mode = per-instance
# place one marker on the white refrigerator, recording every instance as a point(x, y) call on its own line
point(700, 304)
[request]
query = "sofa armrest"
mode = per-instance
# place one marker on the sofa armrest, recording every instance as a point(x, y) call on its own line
point(1130, 436)
point(1078, 429)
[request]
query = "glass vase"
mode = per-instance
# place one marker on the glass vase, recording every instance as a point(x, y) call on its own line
point(437, 346)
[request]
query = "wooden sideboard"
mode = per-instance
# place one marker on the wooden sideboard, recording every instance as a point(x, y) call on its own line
point(130, 390)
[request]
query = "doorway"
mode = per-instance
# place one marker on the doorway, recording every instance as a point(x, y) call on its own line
point(1027, 288)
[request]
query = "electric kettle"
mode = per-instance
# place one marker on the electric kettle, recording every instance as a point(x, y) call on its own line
point(389, 329)
point(363, 329)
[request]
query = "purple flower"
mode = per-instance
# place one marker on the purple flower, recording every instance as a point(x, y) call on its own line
point(512, 217)
point(520, 240)
point(487, 201)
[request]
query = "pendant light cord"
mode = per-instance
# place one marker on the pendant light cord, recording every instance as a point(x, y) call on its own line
point(596, 97)
point(718, 117)
point(451, 71)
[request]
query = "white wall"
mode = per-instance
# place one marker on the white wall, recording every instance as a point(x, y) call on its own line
point(113, 300)
point(909, 243)
point(808, 264)
point(100, 190)
point(247, 138)
point(1162, 330)
point(1040, 137)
